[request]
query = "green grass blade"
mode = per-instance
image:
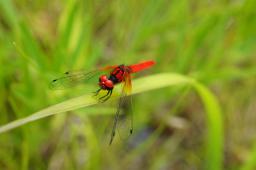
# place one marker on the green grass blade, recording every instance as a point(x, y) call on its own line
point(215, 136)
point(214, 144)
point(75, 103)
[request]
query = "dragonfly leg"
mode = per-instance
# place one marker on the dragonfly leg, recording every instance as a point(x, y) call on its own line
point(101, 98)
point(106, 97)
point(97, 92)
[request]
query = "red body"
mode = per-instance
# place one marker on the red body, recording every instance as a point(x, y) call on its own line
point(119, 73)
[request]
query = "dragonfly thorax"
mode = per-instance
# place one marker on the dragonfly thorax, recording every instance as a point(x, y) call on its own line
point(116, 76)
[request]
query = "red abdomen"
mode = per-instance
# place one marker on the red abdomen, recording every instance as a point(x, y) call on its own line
point(141, 66)
point(117, 75)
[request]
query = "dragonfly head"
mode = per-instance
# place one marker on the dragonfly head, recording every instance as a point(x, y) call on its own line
point(105, 83)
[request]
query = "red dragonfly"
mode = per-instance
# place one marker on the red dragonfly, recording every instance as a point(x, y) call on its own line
point(118, 74)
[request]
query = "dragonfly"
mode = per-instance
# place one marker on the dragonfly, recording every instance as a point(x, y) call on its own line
point(116, 74)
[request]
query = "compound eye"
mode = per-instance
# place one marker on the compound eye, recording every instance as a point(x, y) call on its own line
point(109, 84)
point(103, 78)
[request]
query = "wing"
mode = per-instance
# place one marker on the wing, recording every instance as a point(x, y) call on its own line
point(113, 133)
point(126, 90)
point(108, 68)
point(71, 79)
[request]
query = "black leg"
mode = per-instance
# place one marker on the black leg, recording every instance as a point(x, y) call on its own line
point(96, 92)
point(110, 93)
point(106, 97)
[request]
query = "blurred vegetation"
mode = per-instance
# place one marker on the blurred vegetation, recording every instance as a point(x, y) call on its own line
point(212, 42)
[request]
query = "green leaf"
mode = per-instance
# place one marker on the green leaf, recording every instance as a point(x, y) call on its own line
point(214, 139)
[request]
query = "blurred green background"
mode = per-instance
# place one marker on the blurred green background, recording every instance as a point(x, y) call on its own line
point(211, 41)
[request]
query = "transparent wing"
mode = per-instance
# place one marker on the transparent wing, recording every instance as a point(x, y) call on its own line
point(113, 133)
point(71, 79)
point(126, 90)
